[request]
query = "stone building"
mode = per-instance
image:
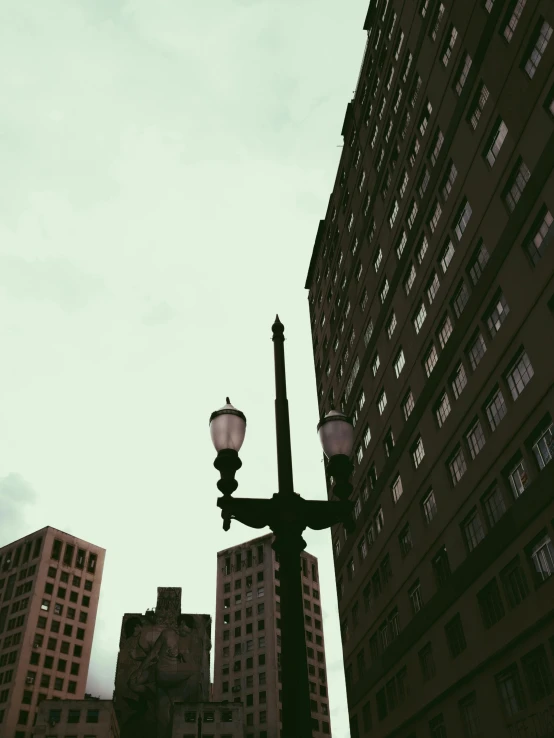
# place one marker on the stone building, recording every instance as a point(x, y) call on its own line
point(163, 672)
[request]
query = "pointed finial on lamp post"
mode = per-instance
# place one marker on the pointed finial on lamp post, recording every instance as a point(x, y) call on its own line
point(278, 328)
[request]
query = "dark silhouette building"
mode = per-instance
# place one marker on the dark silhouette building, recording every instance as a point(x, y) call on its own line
point(431, 292)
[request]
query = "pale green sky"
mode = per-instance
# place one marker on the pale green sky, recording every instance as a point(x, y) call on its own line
point(164, 168)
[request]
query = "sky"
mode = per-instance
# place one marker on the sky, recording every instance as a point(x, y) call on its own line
point(164, 169)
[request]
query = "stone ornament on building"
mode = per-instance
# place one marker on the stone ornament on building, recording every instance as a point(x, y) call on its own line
point(164, 657)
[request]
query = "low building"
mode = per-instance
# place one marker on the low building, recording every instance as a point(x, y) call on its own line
point(208, 719)
point(88, 718)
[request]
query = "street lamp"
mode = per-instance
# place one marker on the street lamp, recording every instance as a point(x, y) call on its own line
point(288, 515)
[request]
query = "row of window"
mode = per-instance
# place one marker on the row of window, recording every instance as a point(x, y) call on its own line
point(471, 528)
point(515, 377)
point(69, 558)
point(21, 555)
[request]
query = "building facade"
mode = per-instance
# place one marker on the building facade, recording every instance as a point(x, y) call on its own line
point(431, 291)
point(88, 718)
point(208, 720)
point(248, 641)
point(49, 590)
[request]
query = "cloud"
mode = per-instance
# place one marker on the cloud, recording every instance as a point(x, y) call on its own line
point(158, 314)
point(54, 280)
point(15, 495)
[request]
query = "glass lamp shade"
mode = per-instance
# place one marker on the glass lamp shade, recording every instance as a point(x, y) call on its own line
point(336, 434)
point(227, 428)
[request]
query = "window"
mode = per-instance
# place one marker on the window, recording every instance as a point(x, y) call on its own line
point(432, 287)
point(476, 351)
point(542, 557)
point(415, 597)
point(384, 291)
point(478, 105)
point(401, 245)
point(377, 259)
point(419, 317)
point(519, 178)
point(514, 583)
point(427, 662)
point(472, 530)
point(382, 402)
point(364, 300)
point(404, 183)
point(448, 181)
point(445, 331)
point(422, 249)
point(436, 146)
point(475, 439)
point(494, 505)
point(407, 66)
point(424, 120)
point(441, 566)
point(478, 262)
point(449, 46)
point(510, 690)
point(496, 409)
point(455, 636)
point(457, 466)
point(463, 71)
point(408, 405)
point(464, 215)
point(429, 507)
point(544, 447)
point(399, 363)
point(512, 18)
point(397, 489)
point(409, 279)
point(442, 409)
point(470, 716)
point(359, 270)
point(461, 297)
point(496, 141)
point(490, 604)
point(536, 52)
point(519, 375)
point(375, 364)
point(436, 212)
point(391, 325)
point(414, 152)
point(418, 452)
point(537, 674)
point(379, 520)
point(430, 360)
point(536, 243)
point(447, 255)
point(412, 213)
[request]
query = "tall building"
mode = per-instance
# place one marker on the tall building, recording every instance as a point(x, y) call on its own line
point(248, 641)
point(49, 590)
point(431, 293)
point(87, 718)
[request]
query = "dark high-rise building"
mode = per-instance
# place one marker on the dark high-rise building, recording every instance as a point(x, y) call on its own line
point(431, 291)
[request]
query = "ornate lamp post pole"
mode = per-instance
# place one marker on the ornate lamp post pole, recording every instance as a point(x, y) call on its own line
point(288, 515)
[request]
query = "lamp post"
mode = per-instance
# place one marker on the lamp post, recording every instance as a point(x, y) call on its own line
point(288, 515)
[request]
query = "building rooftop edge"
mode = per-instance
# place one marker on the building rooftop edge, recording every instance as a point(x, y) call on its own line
point(315, 254)
point(50, 527)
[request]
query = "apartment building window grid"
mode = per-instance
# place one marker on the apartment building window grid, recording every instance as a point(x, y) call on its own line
point(442, 410)
point(457, 465)
point(514, 16)
point(543, 448)
point(478, 106)
point(465, 66)
point(475, 439)
point(476, 351)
